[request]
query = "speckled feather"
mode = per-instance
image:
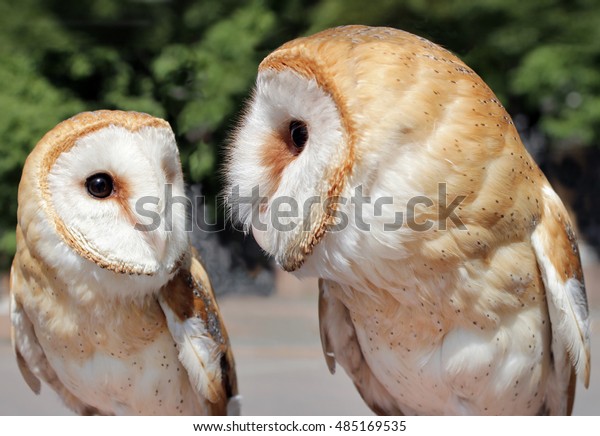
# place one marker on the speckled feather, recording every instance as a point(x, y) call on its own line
point(482, 315)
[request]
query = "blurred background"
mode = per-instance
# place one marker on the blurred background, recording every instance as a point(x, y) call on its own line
point(193, 63)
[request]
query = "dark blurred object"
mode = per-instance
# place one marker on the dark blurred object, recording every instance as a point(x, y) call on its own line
point(574, 172)
point(575, 175)
point(234, 261)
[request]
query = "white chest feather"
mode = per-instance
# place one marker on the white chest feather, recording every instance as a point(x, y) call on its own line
point(150, 381)
point(430, 369)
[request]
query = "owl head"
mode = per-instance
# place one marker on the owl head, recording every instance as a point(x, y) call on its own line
point(352, 107)
point(96, 202)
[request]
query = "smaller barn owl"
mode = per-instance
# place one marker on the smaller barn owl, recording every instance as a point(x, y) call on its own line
point(110, 306)
point(450, 279)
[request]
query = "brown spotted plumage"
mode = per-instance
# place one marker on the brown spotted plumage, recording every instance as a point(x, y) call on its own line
point(190, 296)
point(109, 308)
point(455, 286)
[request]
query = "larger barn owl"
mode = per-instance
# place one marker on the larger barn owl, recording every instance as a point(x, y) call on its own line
point(450, 280)
point(109, 305)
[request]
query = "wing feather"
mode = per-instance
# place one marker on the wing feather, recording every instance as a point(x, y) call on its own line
point(196, 325)
point(558, 259)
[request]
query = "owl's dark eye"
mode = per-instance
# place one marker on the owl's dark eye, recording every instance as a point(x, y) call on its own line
point(100, 185)
point(298, 134)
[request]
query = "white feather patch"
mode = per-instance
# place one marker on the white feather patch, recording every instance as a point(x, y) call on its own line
point(198, 353)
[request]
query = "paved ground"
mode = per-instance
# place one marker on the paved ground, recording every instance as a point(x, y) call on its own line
point(280, 365)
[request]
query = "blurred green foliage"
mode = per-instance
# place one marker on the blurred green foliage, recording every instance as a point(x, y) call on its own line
point(193, 62)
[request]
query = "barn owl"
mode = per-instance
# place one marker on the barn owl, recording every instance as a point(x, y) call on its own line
point(450, 279)
point(109, 304)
